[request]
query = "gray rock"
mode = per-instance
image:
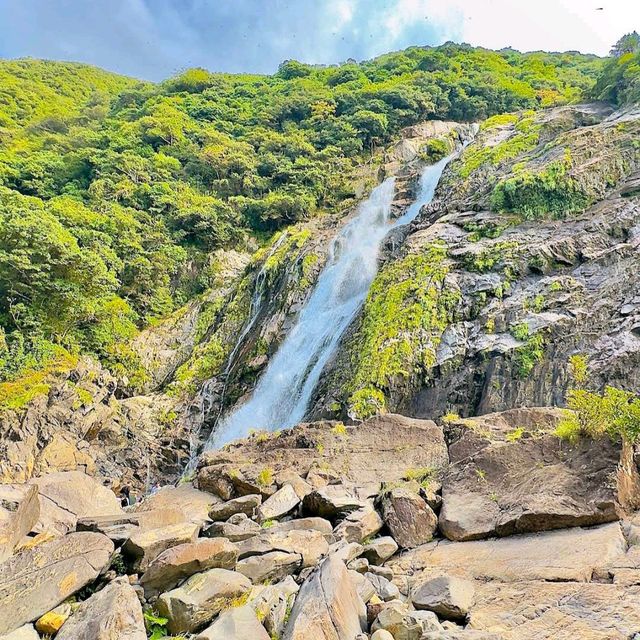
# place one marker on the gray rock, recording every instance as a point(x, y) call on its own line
point(409, 518)
point(19, 512)
point(39, 579)
point(27, 632)
point(380, 550)
point(311, 545)
point(238, 623)
point(447, 596)
point(146, 545)
point(359, 525)
point(404, 624)
point(182, 561)
point(238, 528)
point(382, 634)
point(363, 586)
point(272, 604)
point(346, 551)
point(385, 589)
point(361, 565)
point(328, 606)
point(196, 602)
point(332, 501)
point(245, 504)
point(274, 565)
point(113, 613)
point(282, 502)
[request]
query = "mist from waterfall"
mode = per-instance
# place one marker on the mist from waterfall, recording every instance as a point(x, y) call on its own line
point(282, 395)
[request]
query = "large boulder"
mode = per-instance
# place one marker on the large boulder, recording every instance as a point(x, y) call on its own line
point(19, 513)
point(359, 525)
point(147, 544)
point(503, 485)
point(282, 502)
point(239, 623)
point(328, 606)
point(310, 544)
point(67, 496)
point(193, 504)
point(245, 504)
point(182, 561)
point(363, 454)
point(114, 613)
point(271, 566)
point(448, 596)
point(38, 579)
point(333, 501)
point(196, 602)
point(272, 604)
point(410, 520)
point(236, 529)
point(572, 554)
point(26, 632)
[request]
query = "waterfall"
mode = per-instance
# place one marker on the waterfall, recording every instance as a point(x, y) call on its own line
point(282, 395)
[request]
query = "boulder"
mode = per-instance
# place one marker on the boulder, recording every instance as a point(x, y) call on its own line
point(39, 579)
point(359, 525)
point(272, 604)
point(534, 610)
point(367, 453)
point(535, 484)
point(147, 544)
point(26, 632)
point(282, 502)
point(363, 586)
point(245, 504)
point(311, 545)
point(238, 528)
point(68, 495)
point(114, 613)
point(19, 513)
point(328, 606)
point(385, 589)
point(193, 504)
point(572, 554)
point(196, 602)
point(333, 501)
point(182, 561)
point(448, 596)
point(273, 565)
point(239, 623)
point(300, 486)
point(382, 634)
point(380, 550)
point(403, 624)
point(409, 518)
point(346, 551)
point(306, 524)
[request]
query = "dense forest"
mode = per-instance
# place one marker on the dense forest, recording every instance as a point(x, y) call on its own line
point(114, 192)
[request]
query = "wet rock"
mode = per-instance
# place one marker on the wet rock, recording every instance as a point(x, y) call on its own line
point(146, 545)
point(359, 525)
point(245, 504)
point(409, 518)
point(282, 502)
point(39, 579)
point(182, 561)
point(447, 596)
point(380, 550)
point(274, 565)
point(310, 545)
point(195, 603)
point(113, 613)
point(19, 513)
point(239, 623)
point(327, 607)
point(238, 528)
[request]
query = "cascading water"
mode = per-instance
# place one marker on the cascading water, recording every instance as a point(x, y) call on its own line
point(282, 395)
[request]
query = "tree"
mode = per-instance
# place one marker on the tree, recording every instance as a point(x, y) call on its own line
point(629, 43)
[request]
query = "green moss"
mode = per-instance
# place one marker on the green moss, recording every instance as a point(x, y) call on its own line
point(532, 352)
point(405, 313)
point(490, 256)
point(265, 477)
point(308, 267)
point(435, 149)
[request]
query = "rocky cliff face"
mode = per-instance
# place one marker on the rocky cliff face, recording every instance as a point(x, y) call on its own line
point(528, 255)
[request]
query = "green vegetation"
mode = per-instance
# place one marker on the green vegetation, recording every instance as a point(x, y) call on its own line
point(515, 434)
point(405, 313)
point(527, 356)
point(619, 82)
point(114, 193)
point(422, 475)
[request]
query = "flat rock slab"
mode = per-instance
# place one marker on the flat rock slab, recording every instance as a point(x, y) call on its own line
point(239, 623)
point(311, 545)
point(193, 503)
point(196, 602)
point(113, 613)
point(366, 453)
point(571, 554)
point(182, 561)
point(328, 606)
point(146, 545)
point(39, 579)
point(534, 484)
point(562, 611)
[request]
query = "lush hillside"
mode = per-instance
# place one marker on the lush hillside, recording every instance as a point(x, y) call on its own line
point(113, 193)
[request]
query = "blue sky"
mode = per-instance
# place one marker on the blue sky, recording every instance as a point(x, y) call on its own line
point(153, 39)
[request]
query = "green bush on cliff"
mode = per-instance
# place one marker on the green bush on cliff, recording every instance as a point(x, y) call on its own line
point(405, 313)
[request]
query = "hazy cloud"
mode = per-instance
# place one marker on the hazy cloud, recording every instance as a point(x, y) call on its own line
point(155, 38)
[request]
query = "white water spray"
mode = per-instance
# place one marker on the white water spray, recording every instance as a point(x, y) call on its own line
point(282, 395)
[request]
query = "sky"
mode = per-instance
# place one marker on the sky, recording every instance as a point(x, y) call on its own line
point(153, 39)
